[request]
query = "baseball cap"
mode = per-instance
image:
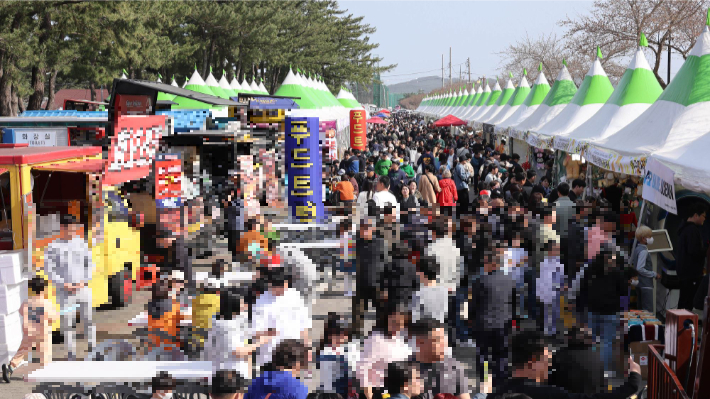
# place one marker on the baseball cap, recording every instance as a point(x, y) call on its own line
point(406, 160)
point(370, 168)
point(485, 194)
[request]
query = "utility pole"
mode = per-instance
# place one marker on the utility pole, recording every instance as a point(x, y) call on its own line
point(460, 76)
point(669, 59)
point(468, 66)
point(442, 71)
point(450, 79)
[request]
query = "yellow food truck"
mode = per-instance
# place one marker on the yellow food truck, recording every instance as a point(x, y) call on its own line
point(41, 182)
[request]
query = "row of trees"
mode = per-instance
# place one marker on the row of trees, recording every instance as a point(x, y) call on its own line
point(47, 46)
point(613, 25)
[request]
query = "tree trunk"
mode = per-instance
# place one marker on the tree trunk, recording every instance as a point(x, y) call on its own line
point(52, 88)
point(213, 47)
point(92, 89)
point(15, 101)
point(37, 96)
point(5, 95)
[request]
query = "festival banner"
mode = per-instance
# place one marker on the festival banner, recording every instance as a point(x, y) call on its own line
point(659, 187)
point(358, 129)
point(303, 168)
point(133, 147)
point(168, 176)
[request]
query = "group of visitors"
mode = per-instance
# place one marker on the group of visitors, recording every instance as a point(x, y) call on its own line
point(452, 246)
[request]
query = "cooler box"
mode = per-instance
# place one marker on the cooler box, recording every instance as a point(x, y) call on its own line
point(10, 335)
point(11, 263)
point(10, 328)
point(12, 296)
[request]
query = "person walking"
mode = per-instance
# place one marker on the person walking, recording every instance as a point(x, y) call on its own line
point(641, 261)
point(429, 185)
point(38, 314)
point(69, 266)
point(692, 248)
point(447, 197)
point(461, 178)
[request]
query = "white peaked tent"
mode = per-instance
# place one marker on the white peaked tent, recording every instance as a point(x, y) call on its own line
point(212, 83)
point(516, 101)
point(457, 108)
point(480, 103)
point(234, 84)
point(470, 104)
point(463, 106)
point(636, 91)
point(537, 95)
point(174, 82)
point(262, 88)
point(123, 76)
point(556, 100)
point(453, 102)
point(245, 86)
point(675, 129)
point(589, 99)
point(489, 103)
point(254, 87)
point(224, 85)
point(503, 99)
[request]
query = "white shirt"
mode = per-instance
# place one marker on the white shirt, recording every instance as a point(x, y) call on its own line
point(378, 351)
point(224, 337)
point(449, 257)
point(550, 280)
point(384, 198)
point(287, 314)
point(69, 262)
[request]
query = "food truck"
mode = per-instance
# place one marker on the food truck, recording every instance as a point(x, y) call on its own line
point(39, 183)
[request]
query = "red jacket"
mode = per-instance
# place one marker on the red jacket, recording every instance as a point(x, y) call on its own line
point(448, 194)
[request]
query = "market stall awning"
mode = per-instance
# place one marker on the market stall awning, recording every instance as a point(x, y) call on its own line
point(449, 120)
point(376, 120)
point(83, 166)
point(2, 171)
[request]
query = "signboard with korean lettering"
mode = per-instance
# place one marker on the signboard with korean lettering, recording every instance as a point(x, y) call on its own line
point(128, 104)
point(659, 187)
point(133, 148)
point(167, 170)
point(303, 168)
point(358, 129)
point(36, 137)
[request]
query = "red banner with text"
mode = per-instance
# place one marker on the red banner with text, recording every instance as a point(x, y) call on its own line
point(358, 129)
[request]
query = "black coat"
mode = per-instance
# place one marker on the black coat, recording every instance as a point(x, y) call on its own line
point(577, 367)
point(602, 289)
point(691, 251)
point(370, 262)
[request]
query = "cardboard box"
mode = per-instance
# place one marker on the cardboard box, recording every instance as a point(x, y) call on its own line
point(639, 351)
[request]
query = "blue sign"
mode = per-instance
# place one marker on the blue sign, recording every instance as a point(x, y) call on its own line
point(269, 103)
point(304, 169)
point(167, 203)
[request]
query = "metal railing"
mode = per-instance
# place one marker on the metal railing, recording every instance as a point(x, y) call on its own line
point(662, 381)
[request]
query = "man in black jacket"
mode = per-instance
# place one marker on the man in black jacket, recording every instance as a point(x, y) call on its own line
point(530, 359)
point(691, 255)
point(369, 263)
point(491, 310)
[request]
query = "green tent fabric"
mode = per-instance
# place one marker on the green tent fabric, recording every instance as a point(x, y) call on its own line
point(195, 83)
point(291, 87)
point(226, 88)
point(164, 96)
point(532, 101)
point(212, 83)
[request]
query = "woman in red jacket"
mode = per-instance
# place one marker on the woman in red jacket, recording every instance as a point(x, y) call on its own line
point(448, 195)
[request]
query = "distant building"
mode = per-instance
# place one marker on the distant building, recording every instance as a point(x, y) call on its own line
point(75, 94)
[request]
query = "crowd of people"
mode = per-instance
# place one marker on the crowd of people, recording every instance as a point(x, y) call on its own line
point(455, 247)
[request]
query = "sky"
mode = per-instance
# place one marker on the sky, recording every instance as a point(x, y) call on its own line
point(414, 34)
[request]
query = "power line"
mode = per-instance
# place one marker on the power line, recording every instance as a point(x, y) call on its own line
point(416, 73)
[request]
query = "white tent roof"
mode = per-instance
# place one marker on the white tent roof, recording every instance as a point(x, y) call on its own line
point(678, 124)
point(499, 104)
point(557, 99)
point(527, 107)
point(634, 94)
point(589, 99)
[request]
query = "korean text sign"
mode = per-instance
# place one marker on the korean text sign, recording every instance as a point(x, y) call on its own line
point(358, 129)
point(133, 147)
point(168, 176)
point(658, 186)
point(303, 167)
